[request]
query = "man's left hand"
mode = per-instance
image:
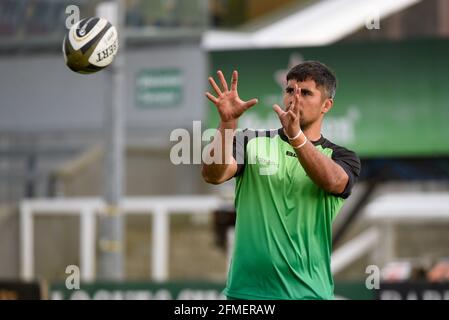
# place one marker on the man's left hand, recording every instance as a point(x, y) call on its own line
point(290, 117)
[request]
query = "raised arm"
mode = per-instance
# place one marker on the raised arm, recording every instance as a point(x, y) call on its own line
point(220, 167)
point(324, 171)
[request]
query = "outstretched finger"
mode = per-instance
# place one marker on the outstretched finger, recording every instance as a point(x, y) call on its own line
point(278, 110)
point(215, 86)
point(234, 81)
point(222, 80)
point(292, 115)
point(211, 98)
point(250, 103)
point(297, 97)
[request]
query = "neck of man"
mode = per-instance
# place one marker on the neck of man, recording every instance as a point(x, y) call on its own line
point(313, 131)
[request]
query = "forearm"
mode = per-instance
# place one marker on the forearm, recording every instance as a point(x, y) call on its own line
point(219, 164)
point(327, 174)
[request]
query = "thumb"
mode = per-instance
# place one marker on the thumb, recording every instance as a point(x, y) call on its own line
point(250, 103)
point(278, 110)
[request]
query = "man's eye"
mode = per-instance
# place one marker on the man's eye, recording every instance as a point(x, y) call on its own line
point(305, 93)
point(289, 90)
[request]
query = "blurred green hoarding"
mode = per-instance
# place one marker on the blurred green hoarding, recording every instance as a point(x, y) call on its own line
point(392, 97)
point(159, 88)
point(177, 290)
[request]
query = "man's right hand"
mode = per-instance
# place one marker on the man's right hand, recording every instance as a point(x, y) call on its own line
point(228, 103)
point(230, 107)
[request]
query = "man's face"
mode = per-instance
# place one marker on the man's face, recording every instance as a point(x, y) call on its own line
point(313, 102)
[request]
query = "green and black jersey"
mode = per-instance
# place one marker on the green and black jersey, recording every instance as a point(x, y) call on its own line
point(283, 234)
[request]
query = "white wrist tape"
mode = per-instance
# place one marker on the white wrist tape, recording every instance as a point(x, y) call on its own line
point(299, 133)
point(301, 145)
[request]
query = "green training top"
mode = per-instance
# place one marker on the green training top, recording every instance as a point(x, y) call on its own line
point(283, 232)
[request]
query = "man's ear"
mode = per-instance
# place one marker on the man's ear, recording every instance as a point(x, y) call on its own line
point(328, 103)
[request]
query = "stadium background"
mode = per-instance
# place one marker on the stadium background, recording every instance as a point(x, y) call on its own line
point(391, 107)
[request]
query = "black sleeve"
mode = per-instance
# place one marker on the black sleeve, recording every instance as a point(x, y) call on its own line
point(350, 162)
point(238, 151)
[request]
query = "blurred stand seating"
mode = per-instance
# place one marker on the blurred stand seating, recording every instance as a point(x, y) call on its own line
point(423, 270)
point(439, 272)
point(25, 18)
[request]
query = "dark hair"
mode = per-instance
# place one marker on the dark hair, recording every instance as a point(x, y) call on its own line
point(316, 71)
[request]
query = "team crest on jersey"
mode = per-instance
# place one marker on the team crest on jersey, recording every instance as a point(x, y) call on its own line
point(267, 166)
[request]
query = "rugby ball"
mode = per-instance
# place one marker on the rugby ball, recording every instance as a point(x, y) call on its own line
point(90, 45)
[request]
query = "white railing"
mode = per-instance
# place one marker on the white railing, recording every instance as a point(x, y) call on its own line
point(382, 213)
point(87, 208)
point(354, 249)
point(403, 208)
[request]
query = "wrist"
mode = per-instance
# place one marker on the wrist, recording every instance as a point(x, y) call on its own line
point(299, 141)
point(294, 136)
point(231, 124)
